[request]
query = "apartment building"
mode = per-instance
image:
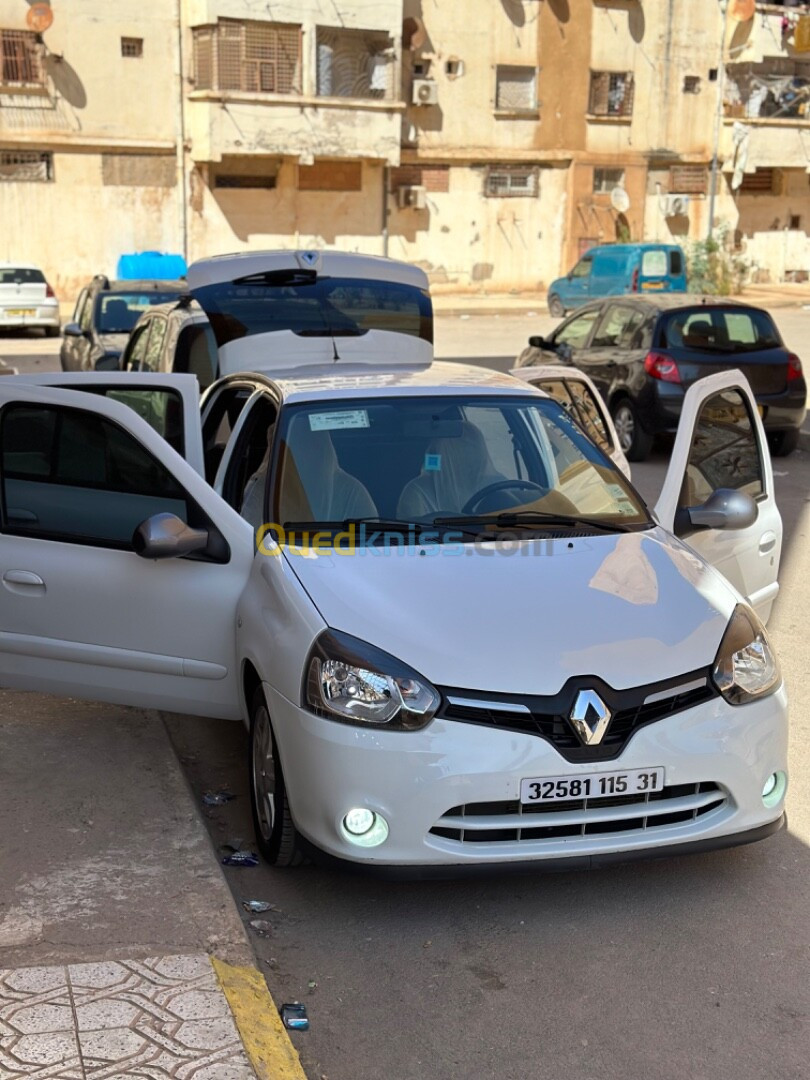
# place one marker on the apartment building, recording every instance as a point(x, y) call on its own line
point(491, 141)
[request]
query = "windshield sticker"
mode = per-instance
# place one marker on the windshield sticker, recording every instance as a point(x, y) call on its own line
point(337, 421)
point(623, 501)
point(433, 462)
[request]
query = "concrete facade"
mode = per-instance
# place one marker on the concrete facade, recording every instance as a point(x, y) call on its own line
point(485, 148)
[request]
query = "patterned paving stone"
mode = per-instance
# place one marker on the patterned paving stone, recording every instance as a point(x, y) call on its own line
point(163, 1017)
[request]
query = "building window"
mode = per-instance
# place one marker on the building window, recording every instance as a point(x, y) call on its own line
point(795, 221)
point(26, 165)
point(355, 64)
point(20, 58)
point(331, 176)
point(688, 180)
point(434, 178)
point(515, 89)
point(691, 84)
point(760, 182)
point(244, 183)
point(605, 180)
point(611, 93)
point(511, 181)
point(132, 46)
point(256, 57)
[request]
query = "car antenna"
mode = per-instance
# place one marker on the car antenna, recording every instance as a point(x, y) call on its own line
point(335, 356)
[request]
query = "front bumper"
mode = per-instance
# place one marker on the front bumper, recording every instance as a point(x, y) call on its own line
point(415, 778)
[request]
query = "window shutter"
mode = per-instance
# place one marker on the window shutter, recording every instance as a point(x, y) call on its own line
point(600, 89)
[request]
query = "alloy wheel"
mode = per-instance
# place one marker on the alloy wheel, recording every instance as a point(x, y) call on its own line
point(264, 773)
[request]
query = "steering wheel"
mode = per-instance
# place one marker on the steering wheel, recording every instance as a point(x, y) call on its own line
point(471, 505)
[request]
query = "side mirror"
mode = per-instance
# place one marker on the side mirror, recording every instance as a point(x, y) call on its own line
point(72, 329)
point(108, 362)
point(537, 342)
point(724, 509)
point(165, 536)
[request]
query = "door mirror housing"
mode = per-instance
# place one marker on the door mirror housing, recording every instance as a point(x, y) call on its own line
point(538, 342)
point(165, 536)
point(72, 329)
point(724, 509)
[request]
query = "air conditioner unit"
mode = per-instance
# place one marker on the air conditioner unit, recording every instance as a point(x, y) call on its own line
point(676, 205)
point(413, 196)
point(424, 92)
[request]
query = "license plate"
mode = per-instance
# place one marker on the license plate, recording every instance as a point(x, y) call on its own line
point(652, 284)
point(598, 785)
point(21, 311)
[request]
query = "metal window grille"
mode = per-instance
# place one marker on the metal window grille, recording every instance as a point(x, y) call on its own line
point(688, 180)
point(605, 180)
point(612, 93)
point(355, 64)
point(762, 181)
point(511, 181)
point(20, 58)
point(26, 165)
point(132, 46)
point(516, 89)
point(259, 57)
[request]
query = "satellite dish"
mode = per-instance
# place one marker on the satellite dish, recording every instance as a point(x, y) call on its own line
point(414, 34)
point(620, 200)
point(39, 17)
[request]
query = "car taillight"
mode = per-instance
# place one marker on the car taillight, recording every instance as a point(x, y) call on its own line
point(794, 368)
point(634, 285)
point(662, 367)
point(49, 291)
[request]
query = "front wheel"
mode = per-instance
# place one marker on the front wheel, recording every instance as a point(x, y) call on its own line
point(633, 439)
point(276, 835)
point(555, 307)
point(782, 443)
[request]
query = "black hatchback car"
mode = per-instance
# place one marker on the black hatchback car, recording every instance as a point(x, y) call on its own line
point(643, 353)
point(105, 313)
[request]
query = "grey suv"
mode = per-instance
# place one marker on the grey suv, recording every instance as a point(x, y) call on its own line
point(173, 337)
point(105, 313)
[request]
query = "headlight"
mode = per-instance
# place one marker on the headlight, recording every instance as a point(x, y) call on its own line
point(745, 668)
point(347, 679)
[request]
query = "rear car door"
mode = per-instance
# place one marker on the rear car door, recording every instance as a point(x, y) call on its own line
point(82, 614)
point(578, 396)
point(721, 446)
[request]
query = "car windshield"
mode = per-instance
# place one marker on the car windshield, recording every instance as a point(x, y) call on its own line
point(118, 312)
point(312, 306)
point(472, 462)
point(719, 329)
point(21, 275)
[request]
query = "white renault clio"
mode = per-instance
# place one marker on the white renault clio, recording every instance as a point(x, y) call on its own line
point(458, 635)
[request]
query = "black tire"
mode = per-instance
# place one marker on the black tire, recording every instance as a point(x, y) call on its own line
point(556, 308)
point(782, 443)
point(633, 439)
point(276, 835)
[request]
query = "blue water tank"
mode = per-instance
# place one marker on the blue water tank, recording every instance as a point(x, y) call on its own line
point(143, 265)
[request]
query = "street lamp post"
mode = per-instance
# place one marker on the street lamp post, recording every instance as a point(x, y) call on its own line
point(718, 117)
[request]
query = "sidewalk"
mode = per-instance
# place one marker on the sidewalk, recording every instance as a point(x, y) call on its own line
point(482, 303)
point(121, 950)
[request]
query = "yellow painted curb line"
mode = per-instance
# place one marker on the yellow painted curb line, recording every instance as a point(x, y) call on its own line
point(265, 1038)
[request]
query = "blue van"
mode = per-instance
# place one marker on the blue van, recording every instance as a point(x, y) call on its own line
point(616, 269)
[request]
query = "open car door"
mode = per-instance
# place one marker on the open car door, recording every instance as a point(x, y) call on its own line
point(718, 493)
point(577, 394)
point(170, 404)
point(120, 568)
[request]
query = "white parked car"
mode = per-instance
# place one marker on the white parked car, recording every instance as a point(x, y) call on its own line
point(458, 636)
point(27, 300)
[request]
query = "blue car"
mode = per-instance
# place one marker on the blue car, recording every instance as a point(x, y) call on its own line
point(616, 270)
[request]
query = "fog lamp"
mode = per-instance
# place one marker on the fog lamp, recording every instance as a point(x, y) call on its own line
point(364, 828)
point(774, 790)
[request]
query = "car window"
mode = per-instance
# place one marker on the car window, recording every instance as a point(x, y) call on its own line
point(85, 316)
point(558, 390)
point(136, 348)
point(69, 474)
point(654, 263)
point(724, 451)
point(721, 330)
point(21, 275)
point(578, 401)
point(151, 360)
point(218, 423)
point(196, 353)
point(576, 332)
point(161, 409)
point(583, 267)
point(675, 263)
point(617, 327)
point(118, 312)
point(245, 480)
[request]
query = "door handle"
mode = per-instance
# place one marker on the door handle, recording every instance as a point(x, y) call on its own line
point(21, 580)
point(767, 542)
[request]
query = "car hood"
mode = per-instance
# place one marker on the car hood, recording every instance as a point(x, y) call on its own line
point(283, 350)
point(524, 617)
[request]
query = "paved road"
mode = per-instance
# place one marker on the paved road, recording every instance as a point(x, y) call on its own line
point(690, 968)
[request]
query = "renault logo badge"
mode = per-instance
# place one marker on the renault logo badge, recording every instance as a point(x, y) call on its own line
point(590, 717)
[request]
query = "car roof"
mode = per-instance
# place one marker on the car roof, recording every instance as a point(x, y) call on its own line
point(337, 382)
point(182, 306)
point(145, 285)
point(665, 302)
point(622, 248)
point(221, 268)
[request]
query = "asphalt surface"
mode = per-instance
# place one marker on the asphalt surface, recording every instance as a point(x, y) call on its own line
point(690, 968)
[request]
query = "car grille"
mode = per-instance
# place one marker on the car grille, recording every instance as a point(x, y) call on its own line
point(547, 717)
point(514, 822)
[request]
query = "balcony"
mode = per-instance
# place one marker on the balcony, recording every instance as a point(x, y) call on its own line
point(773, 91)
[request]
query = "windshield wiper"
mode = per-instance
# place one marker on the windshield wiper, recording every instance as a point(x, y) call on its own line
point(379, 523)
point(529, 518)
